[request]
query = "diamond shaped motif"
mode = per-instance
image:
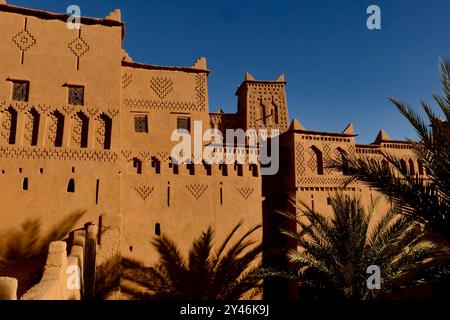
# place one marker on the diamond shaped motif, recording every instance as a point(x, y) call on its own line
point(79, 47)
point(24, 40)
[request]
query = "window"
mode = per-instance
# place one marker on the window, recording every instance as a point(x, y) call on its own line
point(141, 123)
point(76, 95)
point(21, 90)
point(184, 123)
point(157, 229)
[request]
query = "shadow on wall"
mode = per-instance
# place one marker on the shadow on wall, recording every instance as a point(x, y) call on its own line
point(23, 252)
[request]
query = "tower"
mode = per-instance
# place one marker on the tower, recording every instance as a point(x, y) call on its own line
point(262, 104)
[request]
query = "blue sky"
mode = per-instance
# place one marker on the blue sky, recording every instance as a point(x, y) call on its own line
point(337, 70)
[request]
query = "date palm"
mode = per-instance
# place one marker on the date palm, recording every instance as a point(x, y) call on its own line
point(226, 274)
point(425, 200)
point(334, 252)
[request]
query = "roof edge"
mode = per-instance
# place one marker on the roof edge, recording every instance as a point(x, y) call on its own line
point(133, 64)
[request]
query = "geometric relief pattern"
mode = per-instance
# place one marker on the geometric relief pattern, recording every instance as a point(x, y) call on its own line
point(78, 47)
point(200, 91)
point(161, 86)
point(261, 96)
point(127, 79)
point(6, 125)
point(196, 190)
point(24, 40)
point(300, 159)
point(57, 154)
point(100, 133)
point(312, 160)
point(245, 192)
point(164, 90)
point(31, 121)
point(327, 158)
point(339, 181)
point(53, 127)
point(144, 191)
point(77, 129)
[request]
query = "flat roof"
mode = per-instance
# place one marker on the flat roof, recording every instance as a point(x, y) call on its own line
point(58, 16)
point(139, 65)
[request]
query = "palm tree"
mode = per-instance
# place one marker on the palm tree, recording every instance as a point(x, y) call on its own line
point(334, 252)
point(425, 200)
point(227, 274)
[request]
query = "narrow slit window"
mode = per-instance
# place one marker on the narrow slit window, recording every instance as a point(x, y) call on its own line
point(71, 186)
point(157, 229)
point(25, 184)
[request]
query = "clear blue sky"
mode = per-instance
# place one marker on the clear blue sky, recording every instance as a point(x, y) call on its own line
point(337, 70)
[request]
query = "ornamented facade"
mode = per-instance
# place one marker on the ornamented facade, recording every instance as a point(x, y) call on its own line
point(83, 127)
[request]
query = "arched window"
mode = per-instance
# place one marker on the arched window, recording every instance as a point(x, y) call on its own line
point(275, 113)
point(137, 164)
point(263, 112)
point(56, 129)
point(104, 132)
point(81, 130)
point(385, 165)
point(403, 167)
point(344, 162)
point(420, 166)
point(32, 127)
point(319, 160)
point(412, 169)
point(9, 125)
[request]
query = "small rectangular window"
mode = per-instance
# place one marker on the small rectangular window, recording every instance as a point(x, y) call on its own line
point(76, 95)
point(184, 123)
point(21, 90)
point(157, 229)
point(141, 123)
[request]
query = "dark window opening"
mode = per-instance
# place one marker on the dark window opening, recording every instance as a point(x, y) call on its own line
point(329, 201)
point(13, 125)
point(221, 194)
point(224, 169)
point(71, 186)
point(319, 160)
point(239, 168)
point(41, 171)
point(97, 189)
point(21, 90)
point(76, 95)
point(403, 167)
point(59, 128)
point(25, 184)
point(36, 118)
point(254, 169)
point(344, 162)
point(108, 131)
point(184, 123)
point(157, 229)
point(412, 168)
point(141, 123)
point(137, 164)
point(168, 194)
point(208, 168)
point(191, 168)
point(420, 165)
point(84, 129)
point(157, 165)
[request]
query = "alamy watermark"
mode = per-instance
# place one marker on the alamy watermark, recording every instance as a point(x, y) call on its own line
point(209, 147)
point(74, 20)
point(374, 20)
